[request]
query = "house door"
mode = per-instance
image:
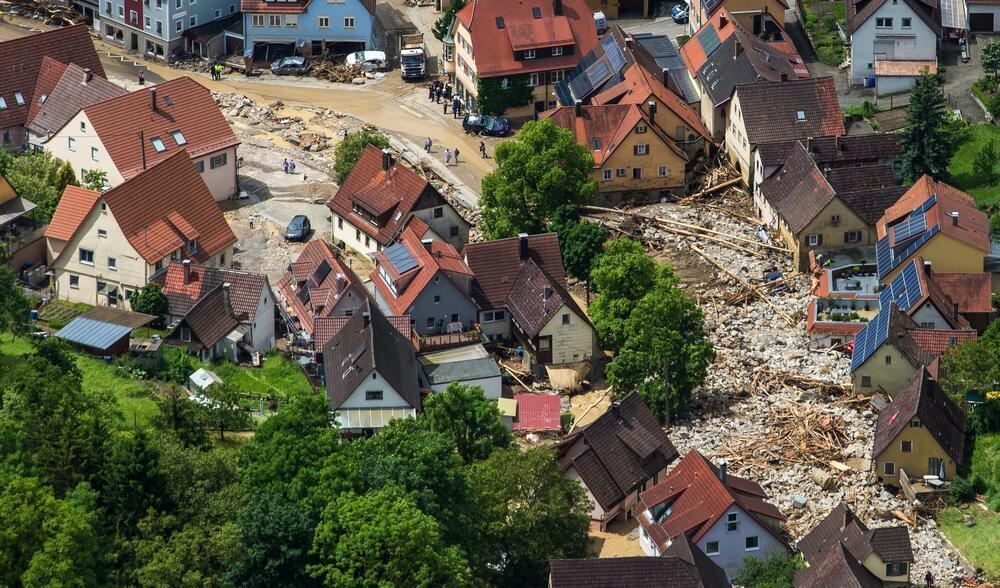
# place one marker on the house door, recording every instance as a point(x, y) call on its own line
point(134, 42)
point(545, 349)
point(935, 467)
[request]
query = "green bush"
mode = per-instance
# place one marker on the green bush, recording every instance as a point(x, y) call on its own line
point(962, 490)
point(776, 571)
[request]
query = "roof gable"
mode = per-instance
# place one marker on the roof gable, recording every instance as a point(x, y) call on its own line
point(682, 567)
point(603, 128)
point(793, 109)
point(857, 12)
point(184, 287)
point(535, 299)
point(74, 206)
point(495, 269)
point(210, 319)
point(798, 191)
point(922, 398)
point(75, 90)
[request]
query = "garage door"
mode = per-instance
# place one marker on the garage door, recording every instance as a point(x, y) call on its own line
point(981, 22)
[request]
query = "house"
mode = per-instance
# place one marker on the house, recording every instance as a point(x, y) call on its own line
point(76, 89)
point(616, 457)
point(891, 42)
point(921, 432)
point(185, 283)
point(155, 28)
point(499, 45)
point(102, 247)
point(723, 55)
point(103, 331)
point(982, 15)
point(842, 551)
point(371, 373)
point(973, 295)
point(727, 517)
point(753, 15)
point(210, 330)
point(125, 135)
point(25, 83)
point(377, 199)
point(892, 347)
point(427, 280)
point(307, 27)
point(634, 159)
point(659, 56)
point(319, 284)
point(936, 221)
point(469, 365)
point(682, 565)
point(538, 413)
point(780, 111)
point(216, 40)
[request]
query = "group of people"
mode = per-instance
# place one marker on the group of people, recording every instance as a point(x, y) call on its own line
point(216, 70)
point(448, 153)
point(435, 93)
point(289, 166)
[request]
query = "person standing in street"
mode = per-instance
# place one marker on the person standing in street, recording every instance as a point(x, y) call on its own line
point(285, 165)
point(427, 145)
point(482, 149)
point(456, 155)
point(430, 92)
point(142, 78)
point(455, 105)
point(291, 167)
point(447, 156)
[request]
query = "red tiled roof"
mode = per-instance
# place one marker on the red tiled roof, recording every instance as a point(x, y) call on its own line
point(972, 292)
point(770, 110)
point(493, 48)
point(693, 53)
point(244, 291)
point(496, 264)
point(286, 7)
point(50, 72)
point(21, 61)
point(74, 206)
point(67, 97)
point(886, 67)
point(972, 227)
point(935, 341)
point(317, 270)
point(182, 104)
point(537, 412)
point(698, 498)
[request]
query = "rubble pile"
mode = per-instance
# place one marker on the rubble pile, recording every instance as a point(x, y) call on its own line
point(334, 70)
point(195, 64)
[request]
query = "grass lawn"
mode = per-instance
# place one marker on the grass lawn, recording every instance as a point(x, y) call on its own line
point(979, 543)
point(962, 176)
point(11, 350)
point(279, 376)
point(134, 400)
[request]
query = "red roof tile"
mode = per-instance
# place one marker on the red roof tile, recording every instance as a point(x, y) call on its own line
point(311, 286)
point(935, 342)
point(972, 292)
point(693, 53)
point(493, 47)
point(21, 61)
point(50, 72)
point(537, 412)
point(972, 226)
point(496, 264)
point(74, 206)
point(182, 104)
point(886, 67)
point(69, 96)
point(244, 291)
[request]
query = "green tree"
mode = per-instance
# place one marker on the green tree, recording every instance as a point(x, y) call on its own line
point(537, 172)
point(35, 176)
point(171, 553)
point(348, 151)
point(989, 58)
point(65, 176)
point(131, 482)
point(621, 277)
point(927, 141)
point(178, 415)
point(276, 534)
point(985, 164)
point(581, 245)
point(94, 179)
point(382, 539)
point(527, 513)
point(442, 26)
point(493, 98)
point(472, 420)
point(777, 571)
point(15, 307)
point(150, 299)
point(972, 365)
point(224, 410)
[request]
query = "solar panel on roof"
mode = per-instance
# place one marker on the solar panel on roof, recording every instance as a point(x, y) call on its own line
point(598, 72)
point(870, 339)
point(710, 6)
point(930, 202)
point(400, 258)
point(911, 227)
point(708, 38)
point(892, 260)
point(614, 53)
point(93, 333)
point(904, 290)
point(322, 270)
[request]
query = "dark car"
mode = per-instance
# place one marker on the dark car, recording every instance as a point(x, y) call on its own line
point(291, 65)
point(298, 229)
point(484, 124)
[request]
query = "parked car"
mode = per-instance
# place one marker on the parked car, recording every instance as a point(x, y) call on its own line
point(298, 229)
point(369, 60)
point(679, 13)
point(292, 65)
point(484, 124)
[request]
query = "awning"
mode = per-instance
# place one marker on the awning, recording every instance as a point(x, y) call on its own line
point(372, 418)
point(954, 14)
point(108, 288)
point(14, 209)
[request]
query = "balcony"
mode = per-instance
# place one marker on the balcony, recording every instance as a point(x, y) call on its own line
point(428, 343)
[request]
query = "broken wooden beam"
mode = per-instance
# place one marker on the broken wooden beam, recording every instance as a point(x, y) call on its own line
point(760, 293)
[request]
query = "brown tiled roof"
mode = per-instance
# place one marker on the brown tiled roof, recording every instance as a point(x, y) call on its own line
point(892, 544)
point(837, 151)
point(626, 446)
point(860, 178)
point(972, 227)
point(68, 97)
point(972, 292)
point(901, 326)
point(770, 109)
point(390, 194)
point(836, 568)
point(610, 124)
point(935, 342)
point(682, 566)
point(923, 398)
point(798, 192)
point(244, 292)
point(210, 320)
point(858, 11)
point(74, 206)
point(870, 205)
point(936, 296)
point(890, 68)
point(494, 47)
point(310, 286)
point(496, 265)
point(842, 528)
point(698, 498)
point(21, 61)
point(182, 104)
point(357, 349)
point(118, 316)
point(534, 299)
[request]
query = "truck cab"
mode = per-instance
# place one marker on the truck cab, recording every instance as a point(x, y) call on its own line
point(412, 56)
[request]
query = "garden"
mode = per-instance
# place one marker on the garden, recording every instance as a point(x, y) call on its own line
point(976, 533)
point(821, 21)
point(973, 167)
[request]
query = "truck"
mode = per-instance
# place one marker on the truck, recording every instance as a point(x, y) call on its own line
point(412, 56)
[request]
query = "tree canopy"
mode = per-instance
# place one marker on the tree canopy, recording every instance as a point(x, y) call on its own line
point(150, 299)
point(14, 305)
point(927, 140)
point(348, 151)
point(470, 418)
point(972, 365)
point(39, 177)
point(540, 170)
point(580, 242)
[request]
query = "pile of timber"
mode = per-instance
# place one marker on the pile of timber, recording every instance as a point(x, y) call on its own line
point(335, 70)
point(49, 11)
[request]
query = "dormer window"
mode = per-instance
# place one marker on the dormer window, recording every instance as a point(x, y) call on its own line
point(185, 334)
point(557, 51)
point(597, 144)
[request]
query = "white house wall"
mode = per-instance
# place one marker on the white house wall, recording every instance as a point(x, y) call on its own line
point(572, 342)
point(373, 381)
point(928, 313)
point(353, 237)
point(597, 513)
point(81, 156)
point(732, 545)
point(221, 181)
point(262, 328)
point(443, 226)
point(922, 45)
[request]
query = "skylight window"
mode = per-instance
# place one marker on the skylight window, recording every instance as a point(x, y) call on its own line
point(168, 101)
point(500, 24)
point(19, 98)
point(536, 12)
point(800, 115)
point(158, 144)
point(179, 137)
point(43, 99)
point(3, 103)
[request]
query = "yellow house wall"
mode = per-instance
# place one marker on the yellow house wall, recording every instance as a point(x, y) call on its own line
point(668, 122)
point(714, 118)
point(925, 447)
point(737, 144)
point(876, 566)
point(624, 157)
point(6, 190)
point(947, 255)
point(572, 342)
point(888, 378)
point(833, 233)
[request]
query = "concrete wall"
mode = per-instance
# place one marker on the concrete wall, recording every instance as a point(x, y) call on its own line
point(373, 381)
point(924, 447)
point(876, 566)
point(886, 85)
point(449, 221)
point(732, 545)
point(713, 117)
point(884, 377)
point(597, 513)
point(737, 145)
point(499, 328)
point(307, 26)
point(571, 342)
point(928, 313)
point(921, 43)
point(492, 387)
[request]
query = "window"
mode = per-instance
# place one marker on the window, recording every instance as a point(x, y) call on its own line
point(107, 8)
point(500, 23)
point(883, 23)
point(532, 80)
point(121, 12)
point(753, 543)
point(217, 161)
point(621, 172)
point(291, 21)
point(147, 22)
point(907, 22)
point(640, 128)
point(274, 20)
point(178, 137)
point(222, 259)
point(866, 381)
point(430, 321)
point(888, 360)
point(348, 22)
point(544, 343)
point(340, 222)
point(732, 522)
point(814, 240)
point(927, 325)
point(557, 51)
point(102, 233)
point(373, 394)
point(492, 316)
point(104, 205)
point(852, 236)
point(232, 9)
point(712, 548)
point(83, 127)
point(192, 246)
point(439, 212)
point(437, 299)
point(179, 26)
point(357, 235)
point(158, 144)
point(889, 469)
point(112, 263)
point(324, 22)
point(557, 76)
point(565, 319)
point(641, 149)
point(896, 569)
point(453, 231)
point(906, 446)
point(597, 143)
point(661, 171)
point(915, 423)
point(193, 21)
point(218, 13)
point(536, 12)
point(133, 17)
point(952, 341)
point(529, 53)
point(93, 153)
point(87, 256)
point(257, 20)
point(128, 293)
point(71, 143)
point(504, 84)
point(454, 318)
point(800, 115)
point(636, 173)
point(74, 281)
point(185, 334)
point(200, 166)
point(607, 174)
point(835, 219)
point(159, 27)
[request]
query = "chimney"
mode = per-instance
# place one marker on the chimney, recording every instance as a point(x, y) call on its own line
point(522, 240)
point(579, 108)
point(87, 76)
point(616, 410)
point(186, 264)
point(367, 318)
point(722, 471)
point(784, 76)
point(340, 283)
point(723, 21)
point(954, 218)
point(386, 160)
point(927, 267)
point(427, 244)
point(652, 111)
point(152, 98)
point(557, 7)
point(225, 295)
point(737, 48)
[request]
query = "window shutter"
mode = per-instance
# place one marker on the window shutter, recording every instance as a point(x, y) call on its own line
point(635, 150)
point(847, 237)
point(819, 239)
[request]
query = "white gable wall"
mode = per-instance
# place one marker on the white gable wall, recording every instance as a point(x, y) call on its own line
point(81, 156)
point(732, 545)
point(918, 42)
point(373, 381)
